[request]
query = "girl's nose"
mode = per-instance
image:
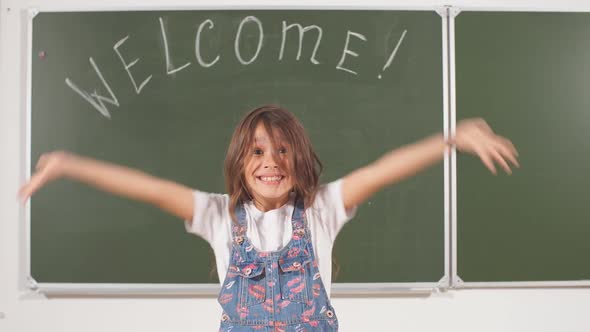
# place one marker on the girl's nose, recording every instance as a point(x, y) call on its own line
point(269, 162)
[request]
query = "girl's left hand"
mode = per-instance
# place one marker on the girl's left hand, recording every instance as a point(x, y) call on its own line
point(475, 136)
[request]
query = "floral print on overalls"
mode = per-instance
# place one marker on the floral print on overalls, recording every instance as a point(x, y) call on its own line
point(275, 291)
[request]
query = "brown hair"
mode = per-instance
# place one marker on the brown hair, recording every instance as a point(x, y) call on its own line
point(305, 166)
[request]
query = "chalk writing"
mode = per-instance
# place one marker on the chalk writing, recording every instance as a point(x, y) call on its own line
point(238, 35)
point(98, 103)
point(347, 51)
point(352, 49)
point(198, 45)
point(169, 67)
point(302, 31)
point(127, 66)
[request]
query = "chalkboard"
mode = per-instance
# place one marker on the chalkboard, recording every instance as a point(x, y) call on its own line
point(527, 74)
point(363, 83)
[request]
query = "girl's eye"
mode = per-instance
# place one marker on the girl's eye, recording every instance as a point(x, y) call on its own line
point(257, 151)
point(282, 150)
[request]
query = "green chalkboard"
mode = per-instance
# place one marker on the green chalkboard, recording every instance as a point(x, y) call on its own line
point(528, 75)
point(354, 103)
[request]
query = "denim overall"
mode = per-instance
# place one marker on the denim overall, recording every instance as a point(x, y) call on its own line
point(275, 291)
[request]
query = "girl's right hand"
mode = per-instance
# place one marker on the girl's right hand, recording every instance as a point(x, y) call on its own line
point(112, 178)
point(50, 166)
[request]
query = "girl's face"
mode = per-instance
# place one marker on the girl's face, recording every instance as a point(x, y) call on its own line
point(267, 182)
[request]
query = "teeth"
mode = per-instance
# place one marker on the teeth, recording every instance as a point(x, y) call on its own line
point(271, 178)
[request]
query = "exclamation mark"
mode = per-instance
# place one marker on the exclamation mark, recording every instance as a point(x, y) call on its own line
point(392, 55)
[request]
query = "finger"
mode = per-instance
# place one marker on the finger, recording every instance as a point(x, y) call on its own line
point(498, 158)
point(506, 142)
point(34, 184)
point(22, 193)
point(42, 161)
point(506, 152)
point(500, 148)
point(485, 158)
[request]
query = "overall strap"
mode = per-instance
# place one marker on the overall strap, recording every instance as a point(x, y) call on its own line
point(239, 226)
point(298, 218)
point(298, 223)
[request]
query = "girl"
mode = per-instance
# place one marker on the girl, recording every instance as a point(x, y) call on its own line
point(272, 233)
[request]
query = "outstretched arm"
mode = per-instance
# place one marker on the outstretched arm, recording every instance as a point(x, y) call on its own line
point(472, 136)
point(123, 181)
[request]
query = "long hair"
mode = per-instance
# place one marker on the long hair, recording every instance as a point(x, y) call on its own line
point(304, 165)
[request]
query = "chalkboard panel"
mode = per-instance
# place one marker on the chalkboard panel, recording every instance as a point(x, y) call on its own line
point(374, 83)
point(527, 74)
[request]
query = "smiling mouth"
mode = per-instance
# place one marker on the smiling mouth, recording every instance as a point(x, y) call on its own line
point(270, 179)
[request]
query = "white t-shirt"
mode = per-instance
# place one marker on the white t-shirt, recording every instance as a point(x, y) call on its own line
point(272, 230)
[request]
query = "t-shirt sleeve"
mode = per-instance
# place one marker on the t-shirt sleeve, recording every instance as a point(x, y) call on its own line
point(210, 212)
point(329, 207)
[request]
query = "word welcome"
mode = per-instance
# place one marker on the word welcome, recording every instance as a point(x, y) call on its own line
point(98, 101)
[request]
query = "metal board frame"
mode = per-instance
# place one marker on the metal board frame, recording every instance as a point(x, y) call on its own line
point(456, 281)
point(338, 289)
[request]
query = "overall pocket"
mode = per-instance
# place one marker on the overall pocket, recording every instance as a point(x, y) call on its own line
point(293, 277)
point(253, 283)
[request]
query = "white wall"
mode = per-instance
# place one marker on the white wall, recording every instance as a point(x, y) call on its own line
point(20, 310)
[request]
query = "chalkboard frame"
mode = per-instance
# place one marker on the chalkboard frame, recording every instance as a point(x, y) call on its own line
point(338, 289)
point(456, 282)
